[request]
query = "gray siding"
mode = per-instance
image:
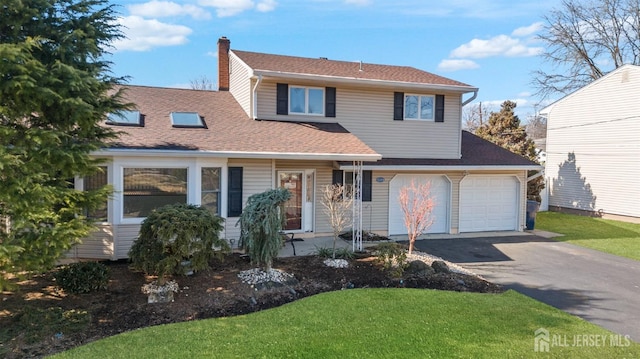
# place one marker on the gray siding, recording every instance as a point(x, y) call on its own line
point(240, 83)
point(257, 178)
point(125, 235)
point(368, 113)
point(99, 245)
point(593, 146)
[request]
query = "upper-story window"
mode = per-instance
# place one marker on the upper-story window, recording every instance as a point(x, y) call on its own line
point(306, 100)
point(127, 118)
point(419, 107)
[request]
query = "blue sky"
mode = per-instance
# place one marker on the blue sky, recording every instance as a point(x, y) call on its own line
point(486, 44)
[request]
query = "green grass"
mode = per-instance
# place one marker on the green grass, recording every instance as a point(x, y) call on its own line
point(615, 237)
point(370, 323)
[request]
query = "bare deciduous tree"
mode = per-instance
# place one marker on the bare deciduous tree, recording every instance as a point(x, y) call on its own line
point(203, 83)
point(338, 209)
point(417, 206)
point(585, 40)
point(536, 127)
point(474, 116)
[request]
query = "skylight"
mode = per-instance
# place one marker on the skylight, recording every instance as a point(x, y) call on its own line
point(186, 119)
point(125, 118)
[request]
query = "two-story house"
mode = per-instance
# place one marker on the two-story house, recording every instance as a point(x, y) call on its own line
point(302, 124)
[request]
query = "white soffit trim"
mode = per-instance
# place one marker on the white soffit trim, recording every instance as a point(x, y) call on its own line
point(352, 80)
point(238, 154)
point(447, 168)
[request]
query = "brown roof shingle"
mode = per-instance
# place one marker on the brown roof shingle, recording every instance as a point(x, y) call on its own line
point(475, 152)
point(229, 129)
point(343, 69)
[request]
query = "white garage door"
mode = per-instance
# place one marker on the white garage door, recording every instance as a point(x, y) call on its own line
point(440, 189)
point(489, 203)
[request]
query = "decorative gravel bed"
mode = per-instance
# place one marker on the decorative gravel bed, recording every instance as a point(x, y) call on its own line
point(429, 258)
point(256, 276)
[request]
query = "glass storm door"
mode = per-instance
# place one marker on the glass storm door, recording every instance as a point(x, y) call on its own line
point(298, 210)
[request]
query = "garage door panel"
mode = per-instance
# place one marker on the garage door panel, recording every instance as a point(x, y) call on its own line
point(440, 190)
point(488, 203)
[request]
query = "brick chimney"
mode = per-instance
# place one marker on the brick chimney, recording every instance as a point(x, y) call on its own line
point(223, 63)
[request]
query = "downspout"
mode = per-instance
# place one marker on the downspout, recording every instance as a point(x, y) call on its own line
point(254, 94)
point(475, 94)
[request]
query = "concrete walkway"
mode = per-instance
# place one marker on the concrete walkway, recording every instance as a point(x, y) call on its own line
point(601, 288)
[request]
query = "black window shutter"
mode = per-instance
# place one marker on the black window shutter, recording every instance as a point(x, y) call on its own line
point(330, 102)
point(282, 99)
point(398, 106)
point(366, 186)
point(234, 193)
point(439, 108)
point(337, 177)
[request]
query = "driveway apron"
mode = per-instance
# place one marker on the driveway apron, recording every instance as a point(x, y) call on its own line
point(601, 288)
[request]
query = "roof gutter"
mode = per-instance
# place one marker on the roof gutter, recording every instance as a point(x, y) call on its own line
point(448, 168)
point(361, 82)
point(128, 152)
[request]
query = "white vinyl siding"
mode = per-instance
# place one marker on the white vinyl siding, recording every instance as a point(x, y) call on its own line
point(368, 114)
point(593, 146)
point(240, 84)
point(125, 235)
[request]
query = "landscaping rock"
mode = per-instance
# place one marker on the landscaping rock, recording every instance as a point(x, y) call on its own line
point(440, 267)
point(418, 268)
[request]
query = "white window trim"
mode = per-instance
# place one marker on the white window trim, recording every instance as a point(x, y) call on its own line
point(306, 100)
point(194, 185)
point(433, 112)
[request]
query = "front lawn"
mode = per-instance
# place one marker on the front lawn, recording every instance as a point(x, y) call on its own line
point(615, 237)
point(375, 323)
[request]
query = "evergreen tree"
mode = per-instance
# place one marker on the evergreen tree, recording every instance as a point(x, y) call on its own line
point(505, 130)
point(55, 89)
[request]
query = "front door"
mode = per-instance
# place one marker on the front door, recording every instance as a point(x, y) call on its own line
point(298, 210)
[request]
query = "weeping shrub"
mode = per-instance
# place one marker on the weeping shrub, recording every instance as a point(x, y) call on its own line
point(260, 226)
point(176, 233)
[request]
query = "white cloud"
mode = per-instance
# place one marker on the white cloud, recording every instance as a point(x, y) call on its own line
point(266, 5)
point(501, 45)
point(455, 65)
point(157, 8)
point(212, 53)
point(226, 8)
point(527, 30)
point(143, 35)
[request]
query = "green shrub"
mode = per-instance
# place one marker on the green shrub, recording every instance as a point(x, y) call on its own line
point(261, 224)
point(83, 277)
point(176, 233)
point(341, 253)
point(393, 257)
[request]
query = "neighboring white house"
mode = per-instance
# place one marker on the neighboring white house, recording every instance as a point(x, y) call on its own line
point(593, 147)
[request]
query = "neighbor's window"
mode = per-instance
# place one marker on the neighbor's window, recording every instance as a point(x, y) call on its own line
point(210, 193)
point(419, 107)
point(145, 189)
point(306, 100)
point(94, 182)
point(124, 118)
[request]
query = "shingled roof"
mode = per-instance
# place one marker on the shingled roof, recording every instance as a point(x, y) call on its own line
point(282, 64)
point(476, 152)
point(229, 130)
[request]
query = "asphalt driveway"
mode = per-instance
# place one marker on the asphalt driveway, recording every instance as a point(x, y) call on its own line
point(601, 288)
